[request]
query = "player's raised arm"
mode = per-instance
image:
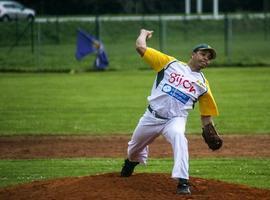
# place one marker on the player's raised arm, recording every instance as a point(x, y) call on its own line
point(141, 41)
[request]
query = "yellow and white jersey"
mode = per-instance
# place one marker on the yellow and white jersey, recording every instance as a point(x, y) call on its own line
point(177, 88)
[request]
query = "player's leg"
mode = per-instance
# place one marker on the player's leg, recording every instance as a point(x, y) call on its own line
point(174, 132)
point(145, 133)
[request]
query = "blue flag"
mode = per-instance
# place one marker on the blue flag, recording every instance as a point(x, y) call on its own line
point(87, 44)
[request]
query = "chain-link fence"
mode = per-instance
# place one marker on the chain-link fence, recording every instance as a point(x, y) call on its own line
point(50, 44)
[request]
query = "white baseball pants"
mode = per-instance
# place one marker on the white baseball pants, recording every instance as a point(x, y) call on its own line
point(149, 128)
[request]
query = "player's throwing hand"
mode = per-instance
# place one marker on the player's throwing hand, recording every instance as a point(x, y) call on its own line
point(147, 33)
point(141, 41)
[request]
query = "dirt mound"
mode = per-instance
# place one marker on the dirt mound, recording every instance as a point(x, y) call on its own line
point(138, 186)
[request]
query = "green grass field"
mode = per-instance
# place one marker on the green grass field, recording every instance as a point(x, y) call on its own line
point(112, 102)
point(104, 103)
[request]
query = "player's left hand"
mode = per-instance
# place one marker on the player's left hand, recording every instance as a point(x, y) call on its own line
point(211, 137)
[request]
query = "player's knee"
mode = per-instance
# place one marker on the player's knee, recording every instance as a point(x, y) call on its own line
point(175, 137)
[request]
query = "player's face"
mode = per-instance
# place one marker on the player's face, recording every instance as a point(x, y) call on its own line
point(202, 58)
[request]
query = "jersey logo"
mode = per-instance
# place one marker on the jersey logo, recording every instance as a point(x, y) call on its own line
point(178, 79)
point(177, 94)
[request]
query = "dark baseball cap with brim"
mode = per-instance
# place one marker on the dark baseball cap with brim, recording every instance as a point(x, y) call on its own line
point(205, 47)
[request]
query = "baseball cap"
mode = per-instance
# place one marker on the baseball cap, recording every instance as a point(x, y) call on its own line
point(205, 47)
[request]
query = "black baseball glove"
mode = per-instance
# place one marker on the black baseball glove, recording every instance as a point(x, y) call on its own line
point(211, 137)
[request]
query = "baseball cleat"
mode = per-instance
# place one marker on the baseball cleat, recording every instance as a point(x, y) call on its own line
point(183, 187)
point(128, 168)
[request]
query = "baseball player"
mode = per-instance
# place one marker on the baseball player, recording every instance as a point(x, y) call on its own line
point(177, 87)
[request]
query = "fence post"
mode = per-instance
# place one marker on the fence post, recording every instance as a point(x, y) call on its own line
point(228, 37)
point(185, 28)
point(143, 21)
point(16, 29)
point(32, 35)
point(97, 27)
point(57, 27)
point(162, 34)
point(265, 27)
point(265, 6)
point(38, 43)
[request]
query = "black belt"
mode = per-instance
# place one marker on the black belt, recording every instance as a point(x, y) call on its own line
point(155, 114)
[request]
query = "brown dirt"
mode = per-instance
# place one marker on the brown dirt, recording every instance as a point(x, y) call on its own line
point(115, 146)
point(138, 186)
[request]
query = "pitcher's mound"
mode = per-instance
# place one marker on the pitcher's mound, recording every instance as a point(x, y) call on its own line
point(138, 186)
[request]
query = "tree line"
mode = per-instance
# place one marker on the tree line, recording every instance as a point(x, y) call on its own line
point(94, 7)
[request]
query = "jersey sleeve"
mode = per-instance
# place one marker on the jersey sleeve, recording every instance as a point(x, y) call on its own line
point(156, 59)
point(207, 104)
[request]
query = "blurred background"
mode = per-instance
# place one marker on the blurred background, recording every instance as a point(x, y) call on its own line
point(41, 36)
point(239, 30)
